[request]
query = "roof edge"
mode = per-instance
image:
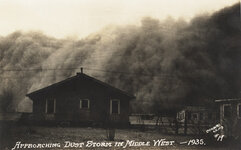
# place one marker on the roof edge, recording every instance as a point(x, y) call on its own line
point(227, 100)
point(79, 75)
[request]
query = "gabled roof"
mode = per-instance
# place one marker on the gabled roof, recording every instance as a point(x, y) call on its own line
point(80, 75)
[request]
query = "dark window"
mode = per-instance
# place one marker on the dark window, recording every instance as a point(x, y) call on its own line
point(50, 106)
point(84, 103)
point(194, 116)
point(115, 106)
point(239, 110)
point(227, 111)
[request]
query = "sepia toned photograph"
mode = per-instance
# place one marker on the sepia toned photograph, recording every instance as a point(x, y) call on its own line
point(120, 74)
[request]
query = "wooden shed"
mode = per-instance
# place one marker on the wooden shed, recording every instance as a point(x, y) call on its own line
point(196, 119)
point(197, 115)
point(81, 99)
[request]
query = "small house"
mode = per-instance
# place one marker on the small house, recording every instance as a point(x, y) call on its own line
point(230, 116)
point(80, 99)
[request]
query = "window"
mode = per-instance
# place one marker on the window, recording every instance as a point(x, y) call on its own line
point(84, 104)
point(194, 116)
point(114, 106)
point(181, 115)
point(50, 106)
point(239, 110)
point(226, 110)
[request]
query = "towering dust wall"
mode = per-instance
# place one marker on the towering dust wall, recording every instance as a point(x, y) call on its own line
point(165, 63)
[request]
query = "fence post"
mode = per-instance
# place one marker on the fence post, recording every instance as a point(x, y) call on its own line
point(110, 128)
point(176, 126)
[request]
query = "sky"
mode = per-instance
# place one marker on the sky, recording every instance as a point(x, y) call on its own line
point(79, 18)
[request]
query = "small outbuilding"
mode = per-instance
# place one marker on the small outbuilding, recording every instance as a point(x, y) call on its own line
point(81, 99)
point(196, 119)
point(197, 115)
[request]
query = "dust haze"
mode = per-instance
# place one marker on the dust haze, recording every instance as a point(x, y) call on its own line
point(164, 63)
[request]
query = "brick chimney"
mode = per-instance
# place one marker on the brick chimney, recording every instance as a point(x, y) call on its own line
point(81, 70)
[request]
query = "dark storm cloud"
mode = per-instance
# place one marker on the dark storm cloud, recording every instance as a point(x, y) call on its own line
point(165, 63)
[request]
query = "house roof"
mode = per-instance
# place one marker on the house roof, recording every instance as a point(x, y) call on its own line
point(228, 100)
point(80, 75)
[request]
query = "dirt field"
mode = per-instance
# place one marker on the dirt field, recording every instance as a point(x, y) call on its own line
point(77, 135)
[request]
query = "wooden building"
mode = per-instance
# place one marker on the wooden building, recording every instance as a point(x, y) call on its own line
point(197, 115)
point(81, 99)
point(196, 119)
point(230, 116)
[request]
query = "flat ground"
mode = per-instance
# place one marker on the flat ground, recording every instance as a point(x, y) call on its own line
point(34, 135)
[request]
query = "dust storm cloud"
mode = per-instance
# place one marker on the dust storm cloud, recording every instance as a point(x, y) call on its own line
point(164, 63)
